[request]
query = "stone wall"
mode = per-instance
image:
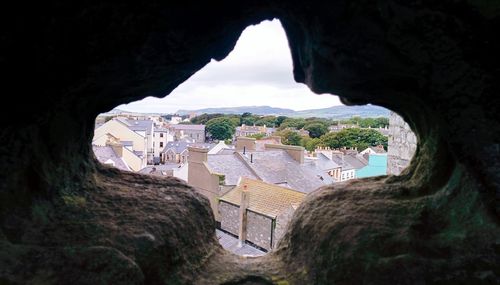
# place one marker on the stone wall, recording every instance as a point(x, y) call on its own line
point(259, 229)
point(401, 145)
point(258, 226)
point(282, 221)
point(229, 217)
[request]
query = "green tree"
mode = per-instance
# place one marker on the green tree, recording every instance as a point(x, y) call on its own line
point(355, 137)
point(269, 121)
point(316, 129)
point(380, 122)
point(297, 123)
point(279, 120)
point(235, 119)
point(220, 128)
point(289, 137)
point(310, 143)
point(247, 119)
point(204, 118)
point(367, 122)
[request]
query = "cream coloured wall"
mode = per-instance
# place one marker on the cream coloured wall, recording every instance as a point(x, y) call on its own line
point(157, 139)
point(120, 131)
point(203, 179)
point(100, 141)
point(205, 182)
point(134, 162)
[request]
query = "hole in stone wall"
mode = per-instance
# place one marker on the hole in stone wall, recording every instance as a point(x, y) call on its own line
point(263, 145)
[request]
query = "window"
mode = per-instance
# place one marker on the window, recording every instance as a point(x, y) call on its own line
point(161, 144)
point(161, 135)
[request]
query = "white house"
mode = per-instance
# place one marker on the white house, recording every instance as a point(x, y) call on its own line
point(175, 120)
point(134, 143)
point(161, 136)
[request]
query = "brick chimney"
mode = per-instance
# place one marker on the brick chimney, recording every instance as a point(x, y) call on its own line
point(117, 148)
point(197, 155)
point(296, 152)
point(276, 138)
point(248, 143)
point(242, 231)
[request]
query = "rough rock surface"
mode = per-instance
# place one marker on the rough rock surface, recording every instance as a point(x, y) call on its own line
point(401, 145)
point(128, 228)
point(65, 219)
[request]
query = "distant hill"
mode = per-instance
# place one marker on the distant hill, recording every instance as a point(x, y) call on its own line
point(335, 112)
point(342, 112)
point(257, 110)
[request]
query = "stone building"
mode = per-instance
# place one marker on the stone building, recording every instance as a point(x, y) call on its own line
point(263, 218)
point(402, 144)
point(194, 133)
point(213, 175)
point(349, 161)
point(245, 131)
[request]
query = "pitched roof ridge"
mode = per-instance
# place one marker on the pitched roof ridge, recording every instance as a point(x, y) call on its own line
point(240, 157)
point(271, 184)
point(264, 198)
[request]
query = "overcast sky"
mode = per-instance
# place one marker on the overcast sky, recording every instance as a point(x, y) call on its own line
point(257, 72)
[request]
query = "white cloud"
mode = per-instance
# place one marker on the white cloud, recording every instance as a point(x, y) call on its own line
point(257, 72)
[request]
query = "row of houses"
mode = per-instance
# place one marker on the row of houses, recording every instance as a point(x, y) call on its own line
point(274, 174)
point(339, 127)
point(351, 164)
point(138, 143)
point(245, 131)
point(254, 188)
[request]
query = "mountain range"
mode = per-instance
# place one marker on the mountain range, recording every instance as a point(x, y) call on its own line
point(335, 112)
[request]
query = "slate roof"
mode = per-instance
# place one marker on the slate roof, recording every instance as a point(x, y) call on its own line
point(188, 127)
point(229, 165)
point(160, 129)
point(122, 120)
point(264, 198)
point(106, 153)
point(180, 146)
point(231, 244)
point(97, 125)
point(276, 166)
point(162, 169)
point(226, 151)
point(349, 161)
point(323, 163)
point(141, 125)
point(127, 143)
